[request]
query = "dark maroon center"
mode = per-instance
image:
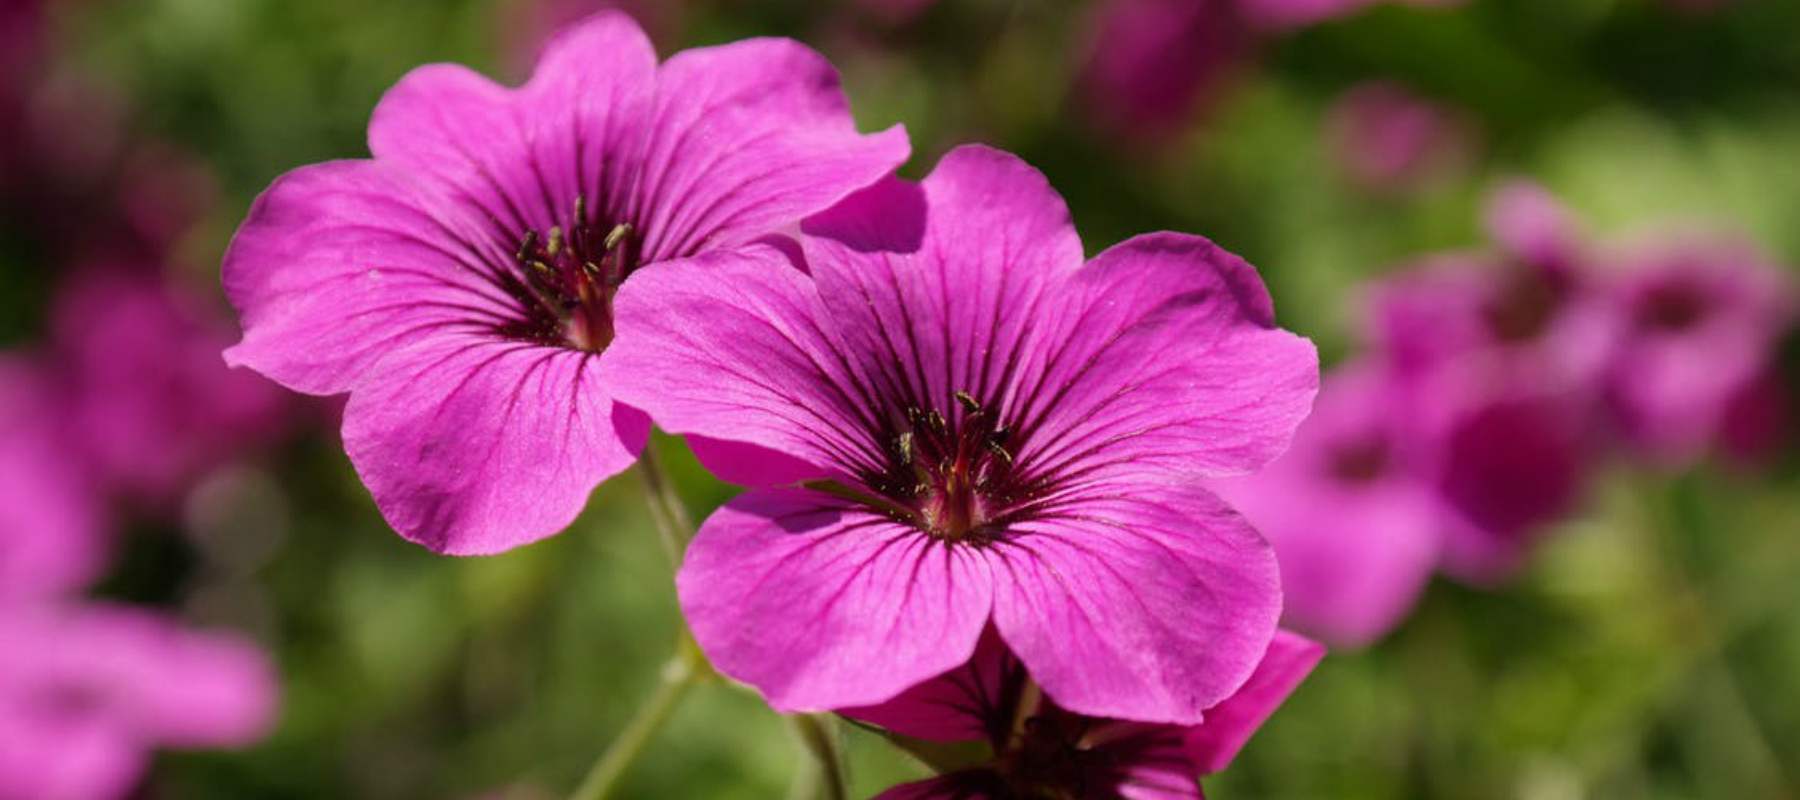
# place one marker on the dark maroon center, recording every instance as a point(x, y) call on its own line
point(568, 276)
point(1523, 307)
point(1672, 307)
point(950, 473)
point(1359, 460)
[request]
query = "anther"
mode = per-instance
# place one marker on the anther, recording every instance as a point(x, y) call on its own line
point(528, 244)
point(556, 241)
point(905, 445)
point(617, 235)
point(968, 402)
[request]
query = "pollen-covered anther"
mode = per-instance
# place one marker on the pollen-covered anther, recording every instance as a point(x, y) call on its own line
point(571, 274)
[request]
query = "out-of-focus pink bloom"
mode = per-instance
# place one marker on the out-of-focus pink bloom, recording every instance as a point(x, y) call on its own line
point(1354, 523)
point(1281, 15)
point(1502, 356)
point(528, 25)
point(1152, 65)
point(50, 517)
point(1510, 452)
point(1758, 420)
point(1386, 138)
point(151, 406)
point(1046, 751)
point(86, 692)
point(999, 431)
point(1529, 225)
point(1702, 317)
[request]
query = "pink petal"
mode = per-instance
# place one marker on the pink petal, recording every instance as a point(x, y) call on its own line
point(820, 604)
point(50, 514)
point(1137, 601)
point(473, 446)
point(340, 263)
point(974, 702)
point(747, 137)
point(1172, 359)
point(730, 346)
point(1214, 743)
point(958, 786)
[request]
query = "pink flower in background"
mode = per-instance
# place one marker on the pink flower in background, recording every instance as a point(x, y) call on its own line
point(1386, 138)
point(993, 432)
point(460, 284)
point(1281, 15)
point(1511, 453)
point(1355, 525)
point(86, 692)
point(1152, 65)
point(150, 407)
point(1702, 317)
point(528, 25)
point(50, 516)
point(1048, 751)
point(1532, 227)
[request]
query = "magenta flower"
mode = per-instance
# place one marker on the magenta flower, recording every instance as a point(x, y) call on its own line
point(50, 517)
point(460, 284)
point(1386, 138)
point(990, 431)
point(1048, 751)
point(150, 407)
point(87, 692)
point(1355, 524)
point(1702, 318)
point(1153, 65)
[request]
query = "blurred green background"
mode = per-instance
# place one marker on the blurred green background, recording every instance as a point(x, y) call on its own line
point(1651, 649)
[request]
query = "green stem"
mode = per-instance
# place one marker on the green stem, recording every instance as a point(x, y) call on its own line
point(666, 510)
point(819, 735)
point(679, 675)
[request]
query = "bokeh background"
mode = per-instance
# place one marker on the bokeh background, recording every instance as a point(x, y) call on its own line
point(1650, 648)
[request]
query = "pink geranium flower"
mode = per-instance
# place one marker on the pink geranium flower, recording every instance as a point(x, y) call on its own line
point(87, 692)
point(1355, 524)
point(150, 408)
point(1048, 751)
point(50, 516)
point(460, 284)
point(1387, 138)
point(1702, 317)
point(989, 431)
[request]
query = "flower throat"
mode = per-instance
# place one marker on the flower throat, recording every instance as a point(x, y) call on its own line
point(951, 475)
point(569, 278)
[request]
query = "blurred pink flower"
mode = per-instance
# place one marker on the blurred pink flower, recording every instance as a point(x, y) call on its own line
point(86, 692)
point(998, 431)
point(1386, 138)
point(527, 26)
point(151, 407)
point(1355, 525)
point(1701, 319)
point(459, 285)
point(50, 517)
point(1048, 751)
point(1153, 65)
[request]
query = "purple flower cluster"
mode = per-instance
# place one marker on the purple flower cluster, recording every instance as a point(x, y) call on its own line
point(967, 444)
point(120, 408)
point(1494, 385)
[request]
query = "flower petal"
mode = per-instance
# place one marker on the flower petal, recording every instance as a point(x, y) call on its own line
point(1141, 601)
point(971, 785)
point(730, 346)
point(745, 138)
point(339, 263)
point(1173, 361)
point(957, 314)
point(974, 702)
point(1214, 743)
point(821, 604)
point(473, 446)
point(50, 515)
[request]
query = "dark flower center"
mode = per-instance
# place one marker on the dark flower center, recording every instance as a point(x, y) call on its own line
point(568, 277)
point(1524, 306)
point(950, 473)
point(1050, 761)
point(1672, 307)
point(1359, 460)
